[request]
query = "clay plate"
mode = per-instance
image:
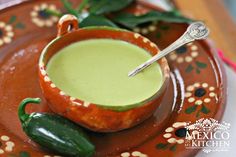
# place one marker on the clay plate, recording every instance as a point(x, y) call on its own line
point(197, 88)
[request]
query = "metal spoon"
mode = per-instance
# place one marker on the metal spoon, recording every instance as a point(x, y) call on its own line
point(195, 31)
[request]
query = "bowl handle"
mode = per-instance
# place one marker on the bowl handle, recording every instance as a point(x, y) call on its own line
point(66, 24)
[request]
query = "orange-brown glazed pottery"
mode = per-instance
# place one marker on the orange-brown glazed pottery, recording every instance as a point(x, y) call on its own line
point(89, 115)
point(193, 67)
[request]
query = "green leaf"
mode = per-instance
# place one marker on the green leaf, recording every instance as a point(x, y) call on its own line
point(82, 5)
point(158, 35)
point(96, 20)
point(176, 12)
point(24, 154)
point(162, 145)
point(198, 114)
point(130, 21)
point(107, 6)
point(173, 148)
point(191, 109)
point(69, 7)
point(20, 25)
point(53, 13)
point(189, 68)
point(12, 19)
point(205, 110)
point(198, 71)
point(201, 65)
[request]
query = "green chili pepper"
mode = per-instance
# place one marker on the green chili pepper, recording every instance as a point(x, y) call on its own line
point(55, 132)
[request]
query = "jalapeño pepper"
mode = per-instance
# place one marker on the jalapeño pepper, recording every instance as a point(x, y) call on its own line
point(54, 132)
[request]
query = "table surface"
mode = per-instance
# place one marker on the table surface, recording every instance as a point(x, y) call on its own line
point(223, 32)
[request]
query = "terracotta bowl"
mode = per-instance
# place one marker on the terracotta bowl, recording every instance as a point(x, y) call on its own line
point(89, 115)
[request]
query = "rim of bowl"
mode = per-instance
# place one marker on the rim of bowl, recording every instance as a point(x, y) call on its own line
point(162, 62)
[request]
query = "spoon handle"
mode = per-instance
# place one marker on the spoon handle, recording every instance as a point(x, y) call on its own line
point(196, 31)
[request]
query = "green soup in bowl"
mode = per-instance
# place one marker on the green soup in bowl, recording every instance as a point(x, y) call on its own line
point(96, 71)
point(83, 74)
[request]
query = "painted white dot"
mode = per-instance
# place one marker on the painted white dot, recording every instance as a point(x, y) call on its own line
point(46, 156)
point(62, 93)
point(10, 34)
point(8, 28)
point(125, 154)
point(173, 56)
point(43, 72)
point(194, 47)
point(53, 85)
point(136, 153)
point(205, 85)
point(136, 29)
point(145, 40)
point(179, 124)
point(188, 59)
point(54, 18)
point(86, 104)
point(152, 28)
point(1, 151)
point(2, 24)
point(46, 79)
point(35, 20)
point(143, 155)
point(152, 44)
point(1, 42)
point(5, 138)
point(52, 7)
point(212, 94)
point(169, 129)
point(144, 31)
point(48, 23)
point(167, 135)
point(10, 144)
point(44, 6)
point(190, 88)
point(207, 100)
point(39, 23)
point(188, 94)
point(194, 54)
point(7, 40)
point(180, 59)
point(171, 140)
point(180, 141)
point(34, 14)
point(136, 35)
point(198, 102)
point(8, 149)
point(212, 88)
point(197, 84)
